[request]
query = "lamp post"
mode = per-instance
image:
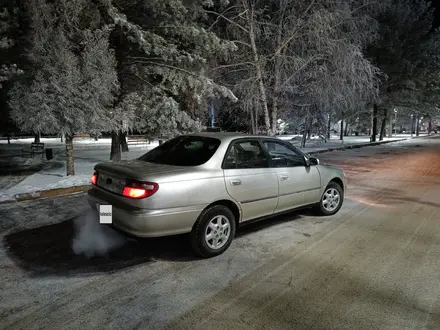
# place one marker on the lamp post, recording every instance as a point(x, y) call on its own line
point(395, 121)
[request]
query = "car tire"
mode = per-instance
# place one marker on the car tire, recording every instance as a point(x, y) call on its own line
point(208, 225)
point(328, 205)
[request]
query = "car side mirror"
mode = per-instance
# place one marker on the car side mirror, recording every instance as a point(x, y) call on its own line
point(308, 163)
point(314, 161)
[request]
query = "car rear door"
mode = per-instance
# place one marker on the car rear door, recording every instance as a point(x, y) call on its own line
point(249, 179)
point(299, 184)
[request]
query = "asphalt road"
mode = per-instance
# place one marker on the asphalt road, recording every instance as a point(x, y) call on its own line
point(375, 265)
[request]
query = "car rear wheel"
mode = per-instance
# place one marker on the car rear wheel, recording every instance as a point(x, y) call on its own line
point(331, 200)
point(213, 232)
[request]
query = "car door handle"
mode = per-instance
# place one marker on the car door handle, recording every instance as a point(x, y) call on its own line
point(284, 177)
point(235, 182)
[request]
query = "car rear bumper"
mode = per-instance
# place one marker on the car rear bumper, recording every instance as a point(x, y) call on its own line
point(150, 223)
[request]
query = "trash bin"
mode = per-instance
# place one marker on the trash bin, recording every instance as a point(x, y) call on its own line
point(49, 153)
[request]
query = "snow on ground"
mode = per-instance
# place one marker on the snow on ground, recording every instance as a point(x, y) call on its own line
point(318, 144)
point(53, 173)
point(88, 152)
point(21, 161)
point(55, 141)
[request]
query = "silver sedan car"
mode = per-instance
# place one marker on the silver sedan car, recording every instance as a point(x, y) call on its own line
point(207, 184)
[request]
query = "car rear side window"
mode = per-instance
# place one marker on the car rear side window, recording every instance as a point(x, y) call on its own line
point(245, 154)
point(183, 151)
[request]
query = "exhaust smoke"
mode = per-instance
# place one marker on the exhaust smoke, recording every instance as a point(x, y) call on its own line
point(93, 239)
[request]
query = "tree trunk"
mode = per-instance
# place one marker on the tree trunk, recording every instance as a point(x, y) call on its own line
point(374, 123)
point(309, 125)
point(261, 87)
point(37, 138)
point(62, 138)
point(253, 127)
point(274, 115)
point(329, 126)
point(251, 115)
point(123, 141)
point(417, 125)
point(412, 124)
point(277, 74)
point(115, 153)
point(430, 125)
point(390, 130)
point(341, 133)
point(69, 154)
point(347, 129)
point(306, 128)
point(257, 116)
point(304, 139)
point(383, 125)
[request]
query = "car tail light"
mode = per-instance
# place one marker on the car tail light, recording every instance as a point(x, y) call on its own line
point(138, 190)
point(94, 178)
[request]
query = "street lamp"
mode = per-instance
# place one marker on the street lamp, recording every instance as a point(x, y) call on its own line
point(395, 121)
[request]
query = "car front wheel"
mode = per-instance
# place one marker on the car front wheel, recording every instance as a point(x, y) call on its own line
point(331, 200)
point(213, 232)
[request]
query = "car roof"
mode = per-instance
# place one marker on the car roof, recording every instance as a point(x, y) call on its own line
point(228, 136)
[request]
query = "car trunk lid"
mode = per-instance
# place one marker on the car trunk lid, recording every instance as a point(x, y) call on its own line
point(112, 176)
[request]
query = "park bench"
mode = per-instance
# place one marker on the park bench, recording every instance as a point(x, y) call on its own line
point(136, 140)
point(35, 148)
point(82, 136)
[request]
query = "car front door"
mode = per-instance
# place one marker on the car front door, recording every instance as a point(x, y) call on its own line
point(299, 184)
point(249, 179)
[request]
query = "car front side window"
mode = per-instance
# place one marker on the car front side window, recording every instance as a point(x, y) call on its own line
point(283, 156)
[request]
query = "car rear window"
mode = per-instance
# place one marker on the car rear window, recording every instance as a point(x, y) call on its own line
point(183, 151)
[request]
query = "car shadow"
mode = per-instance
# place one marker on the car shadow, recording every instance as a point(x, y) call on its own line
point(255, 226)
point(47, 250)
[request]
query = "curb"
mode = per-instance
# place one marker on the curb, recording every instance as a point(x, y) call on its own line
point(58, 192)
point(368, 144)
point(356, 146)
point(47, 193)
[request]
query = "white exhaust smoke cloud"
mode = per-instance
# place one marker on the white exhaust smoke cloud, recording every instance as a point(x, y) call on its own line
point(93, 239)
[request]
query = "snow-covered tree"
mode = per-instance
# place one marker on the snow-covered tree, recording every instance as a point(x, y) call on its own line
point(299, 54)
point(7, 70)
point(74, 80)
point(162, 52)
point(407, 51)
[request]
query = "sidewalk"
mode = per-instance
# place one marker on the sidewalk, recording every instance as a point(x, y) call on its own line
point(316, 145)
point(31, 176)
point(26, 178)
